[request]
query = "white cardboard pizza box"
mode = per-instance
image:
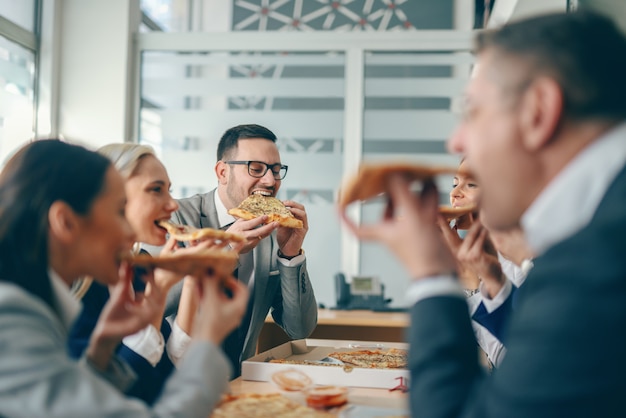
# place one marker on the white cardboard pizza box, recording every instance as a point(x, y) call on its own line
point(259, 368)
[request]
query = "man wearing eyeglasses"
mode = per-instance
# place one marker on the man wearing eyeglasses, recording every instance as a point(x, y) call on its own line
point(271, 261)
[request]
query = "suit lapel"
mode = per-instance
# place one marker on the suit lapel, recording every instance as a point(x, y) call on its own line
point(208, 213)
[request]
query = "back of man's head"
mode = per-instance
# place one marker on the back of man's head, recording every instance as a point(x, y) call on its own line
point(229, 139)
point(584, 52)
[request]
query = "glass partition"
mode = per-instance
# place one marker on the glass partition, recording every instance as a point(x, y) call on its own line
point(17, 78)
point(408, 118)
point(189, 99)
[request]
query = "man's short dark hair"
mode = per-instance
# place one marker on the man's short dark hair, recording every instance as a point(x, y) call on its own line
point(582, 51)
point(230, 138)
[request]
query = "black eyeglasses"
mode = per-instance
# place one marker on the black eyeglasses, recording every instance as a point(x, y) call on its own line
point(258, 168)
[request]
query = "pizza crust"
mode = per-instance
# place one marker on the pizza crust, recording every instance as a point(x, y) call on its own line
point(221, 262)
point(462, 215)
point(257, 205)
point(190, 233)
point(371, 180)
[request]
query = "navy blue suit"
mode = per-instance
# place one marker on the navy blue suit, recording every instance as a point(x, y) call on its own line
point(565, 341)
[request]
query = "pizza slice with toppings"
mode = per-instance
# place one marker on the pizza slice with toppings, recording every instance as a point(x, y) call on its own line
point(257, 205)
point(191, 233)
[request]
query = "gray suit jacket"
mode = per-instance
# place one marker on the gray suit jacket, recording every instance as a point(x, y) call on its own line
point(285, 291)
point(38, 379)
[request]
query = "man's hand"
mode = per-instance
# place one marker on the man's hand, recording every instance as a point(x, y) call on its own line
point(409, 229)
point(253, 230)
point(290, 239)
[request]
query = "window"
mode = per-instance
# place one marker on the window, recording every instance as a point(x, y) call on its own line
point(17, 74)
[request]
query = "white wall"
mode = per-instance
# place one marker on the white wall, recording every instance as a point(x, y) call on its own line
point(95, 76)
point(505, 10)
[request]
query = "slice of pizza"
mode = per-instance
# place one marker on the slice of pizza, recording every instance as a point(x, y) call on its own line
point(461, 215)
point(190, 233)
point(264, 405)
point(221, 262)
point(371, 180)
point(374, 359)
point(257, 205)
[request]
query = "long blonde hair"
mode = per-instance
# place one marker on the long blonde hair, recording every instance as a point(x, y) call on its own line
point(126, 158)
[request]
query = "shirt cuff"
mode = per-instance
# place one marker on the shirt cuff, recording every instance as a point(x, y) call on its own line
point(434, 286)
point(296, 261)
point(148, 343)
point(178, 343)
point(497, 301)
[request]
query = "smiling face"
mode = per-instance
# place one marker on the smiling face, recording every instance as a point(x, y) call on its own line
point(465, 190)
point(491, 137)
point(104, 233)
point(149, 200)
point(235, 184)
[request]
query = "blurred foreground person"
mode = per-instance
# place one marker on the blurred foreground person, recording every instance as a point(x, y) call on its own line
point(544, 133)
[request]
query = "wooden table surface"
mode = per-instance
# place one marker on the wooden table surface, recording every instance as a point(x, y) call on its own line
point(344, 325)
point(362, 318)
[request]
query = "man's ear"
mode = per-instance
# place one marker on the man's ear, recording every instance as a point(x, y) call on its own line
point(63, 221)
point(540, 112)
point(221, 170)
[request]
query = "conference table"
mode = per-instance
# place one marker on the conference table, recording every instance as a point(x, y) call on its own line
point(357, 325)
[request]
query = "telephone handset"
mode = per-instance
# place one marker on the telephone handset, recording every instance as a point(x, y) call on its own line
point(342, 291)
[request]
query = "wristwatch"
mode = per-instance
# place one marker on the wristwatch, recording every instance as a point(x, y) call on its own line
point(281, 255)
point(470, 292)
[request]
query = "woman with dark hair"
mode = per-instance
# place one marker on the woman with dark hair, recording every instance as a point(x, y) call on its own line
point(62, 216)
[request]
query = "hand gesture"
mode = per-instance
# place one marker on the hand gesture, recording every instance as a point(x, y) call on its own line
point(218, 313)
point(409, 229)
point(125, 313)
point(475, 253)
point(253, 230)
point(290, 239)
point(165, 279)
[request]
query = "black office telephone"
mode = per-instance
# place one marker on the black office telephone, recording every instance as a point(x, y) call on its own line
point(364, 292)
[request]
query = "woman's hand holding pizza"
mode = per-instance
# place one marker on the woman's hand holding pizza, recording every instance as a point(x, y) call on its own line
point(218, 313)
point(472, 254)
point(125, 313)
point(165, 279)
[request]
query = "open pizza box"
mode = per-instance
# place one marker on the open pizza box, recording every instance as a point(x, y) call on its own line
point(260, 369)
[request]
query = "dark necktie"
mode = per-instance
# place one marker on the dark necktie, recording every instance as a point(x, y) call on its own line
point(233, 343)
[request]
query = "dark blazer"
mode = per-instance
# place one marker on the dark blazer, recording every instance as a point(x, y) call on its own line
point(286, 292)
point(150, 380)
point(495, 322)
point(565, 341)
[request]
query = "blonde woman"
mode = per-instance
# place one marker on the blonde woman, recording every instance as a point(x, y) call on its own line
point(153, 351)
